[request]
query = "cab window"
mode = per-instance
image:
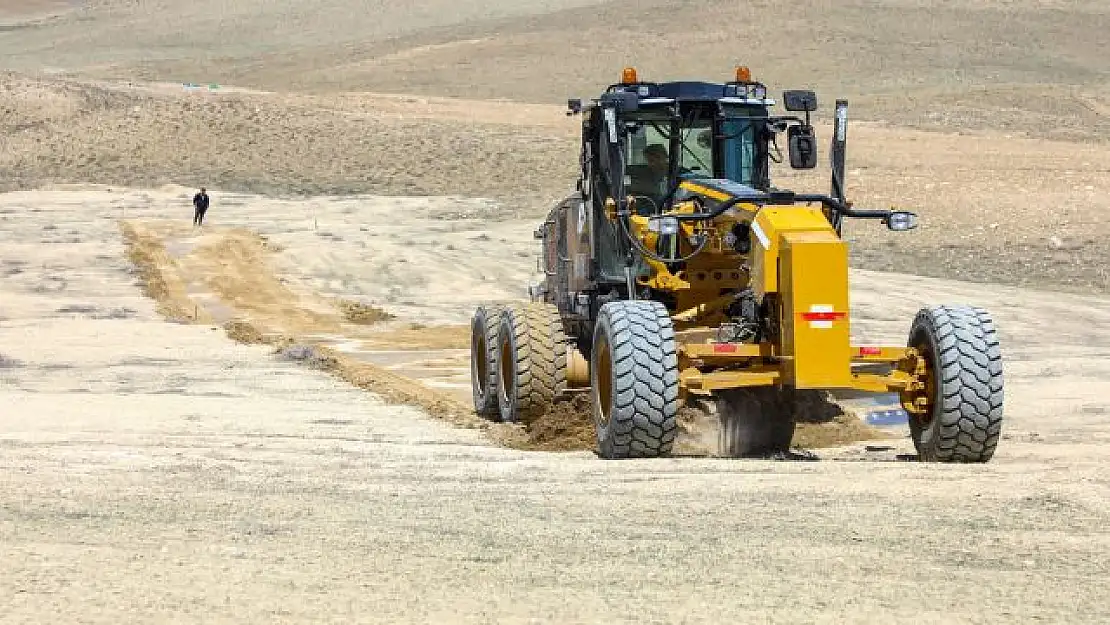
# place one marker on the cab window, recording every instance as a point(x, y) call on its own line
point(738, 149)
point(696, 160)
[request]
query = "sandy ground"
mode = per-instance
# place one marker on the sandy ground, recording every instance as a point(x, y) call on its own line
point(163, 471)
point(384, 289)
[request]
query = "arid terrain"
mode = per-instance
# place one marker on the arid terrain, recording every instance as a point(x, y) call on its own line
point(267, 419)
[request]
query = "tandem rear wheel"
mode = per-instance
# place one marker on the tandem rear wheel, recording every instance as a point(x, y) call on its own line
point(518, 361)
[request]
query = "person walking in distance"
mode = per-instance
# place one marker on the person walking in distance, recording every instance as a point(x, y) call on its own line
point(200, 203)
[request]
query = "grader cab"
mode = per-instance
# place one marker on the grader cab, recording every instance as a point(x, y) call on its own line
point(676, 270)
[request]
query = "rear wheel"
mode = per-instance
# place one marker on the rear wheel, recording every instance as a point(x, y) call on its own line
point(634, 380)
point(531, 361)
point(484, 327)
point(957, 415)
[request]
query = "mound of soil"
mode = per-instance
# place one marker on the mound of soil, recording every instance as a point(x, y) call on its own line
point(567, 426)
point(821, 423)
point(243, 332)
point(148, 254)
point(363, 314)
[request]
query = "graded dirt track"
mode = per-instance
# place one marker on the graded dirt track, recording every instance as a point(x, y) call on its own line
point(265, 420)
point(225, 276)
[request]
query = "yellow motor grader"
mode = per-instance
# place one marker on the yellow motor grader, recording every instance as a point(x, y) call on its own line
point(676, 270)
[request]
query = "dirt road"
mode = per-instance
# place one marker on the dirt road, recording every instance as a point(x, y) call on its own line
point(158, 471)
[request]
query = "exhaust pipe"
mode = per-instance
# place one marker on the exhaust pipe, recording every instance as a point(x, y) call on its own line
point(839, 155)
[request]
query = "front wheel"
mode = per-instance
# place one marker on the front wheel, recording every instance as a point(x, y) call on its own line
point(956, 414)
point(634, 380)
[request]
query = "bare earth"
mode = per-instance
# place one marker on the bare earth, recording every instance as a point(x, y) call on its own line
point(162, 470)
point(267, 419)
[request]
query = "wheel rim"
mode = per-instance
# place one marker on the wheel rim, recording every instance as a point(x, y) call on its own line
point(930, 392)
point(920, 404)
point(603, 380)
point(505, 369)
point(479, 363)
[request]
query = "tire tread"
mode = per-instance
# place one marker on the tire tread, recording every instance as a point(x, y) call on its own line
point(968, 414)
point(644, 414)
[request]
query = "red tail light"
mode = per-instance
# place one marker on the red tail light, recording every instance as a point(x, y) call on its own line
point(822, 316)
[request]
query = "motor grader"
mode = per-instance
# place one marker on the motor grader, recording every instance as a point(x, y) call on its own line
point(677, 272)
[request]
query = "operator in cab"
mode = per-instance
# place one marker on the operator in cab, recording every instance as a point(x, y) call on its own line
point(651, 181)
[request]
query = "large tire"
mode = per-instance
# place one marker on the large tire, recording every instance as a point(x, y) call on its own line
point(755, 421)
point(532, 361)
point(634, 380)
point(962, 421)
point(484, 326)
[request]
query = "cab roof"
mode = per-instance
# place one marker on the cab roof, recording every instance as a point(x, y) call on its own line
point(697, 91)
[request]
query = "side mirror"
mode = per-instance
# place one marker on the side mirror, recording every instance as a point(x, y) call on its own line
point(574, 106)
point(778, 125)
point(799, 100)
point(802, 145)
point(901, 220)
point(705, 139)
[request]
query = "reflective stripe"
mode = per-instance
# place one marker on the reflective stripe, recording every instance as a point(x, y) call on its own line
point(759, 234)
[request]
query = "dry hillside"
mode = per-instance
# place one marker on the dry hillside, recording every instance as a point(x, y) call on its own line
point(995, 207)
point(1023, 66)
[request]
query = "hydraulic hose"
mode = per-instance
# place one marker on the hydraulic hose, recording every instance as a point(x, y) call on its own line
point(789, 198)
point(652, 255)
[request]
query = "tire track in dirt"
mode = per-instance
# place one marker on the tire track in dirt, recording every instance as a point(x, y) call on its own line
point(252, 306)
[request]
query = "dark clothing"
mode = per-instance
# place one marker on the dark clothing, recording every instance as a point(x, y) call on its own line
point(200, 203)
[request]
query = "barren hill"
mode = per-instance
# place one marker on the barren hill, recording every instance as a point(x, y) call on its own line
point(995, 208)
point(1021, 66)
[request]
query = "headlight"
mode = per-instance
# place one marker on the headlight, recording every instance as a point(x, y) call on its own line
point(759, 92)
point(901, 220)
point(664, 225)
